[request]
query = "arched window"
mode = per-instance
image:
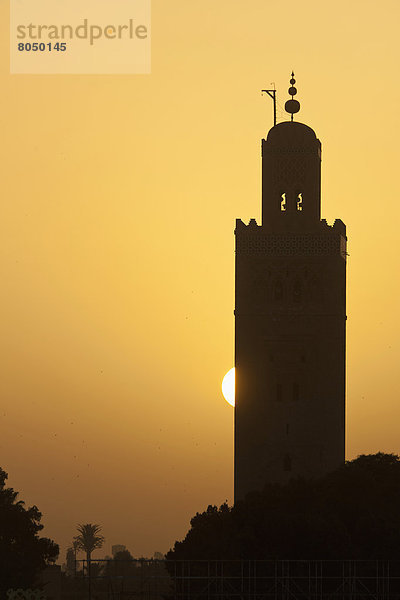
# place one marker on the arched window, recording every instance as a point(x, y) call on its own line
point(278, 291)
point(299, 202)
point(297, 292)
point(283, 202)
point(287, 463)
point(315, 289)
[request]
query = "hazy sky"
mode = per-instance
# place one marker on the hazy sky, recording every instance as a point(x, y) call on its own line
point(119, 200)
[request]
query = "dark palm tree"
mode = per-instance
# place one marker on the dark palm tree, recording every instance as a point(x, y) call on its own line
point(88, 540)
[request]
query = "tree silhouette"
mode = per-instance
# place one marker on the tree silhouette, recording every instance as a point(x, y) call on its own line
point(89, 539)
point(75, 548)
point(121, 570)
point(352, 513)
point(23, 554)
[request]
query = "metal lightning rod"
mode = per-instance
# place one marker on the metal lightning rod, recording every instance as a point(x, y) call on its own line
point(272, 94)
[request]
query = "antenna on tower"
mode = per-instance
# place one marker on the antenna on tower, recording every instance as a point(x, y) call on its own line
point(272, 94)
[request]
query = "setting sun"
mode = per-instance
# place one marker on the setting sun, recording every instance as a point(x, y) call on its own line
point(228, 386)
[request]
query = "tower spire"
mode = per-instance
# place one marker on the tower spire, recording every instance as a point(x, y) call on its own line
point(292, 106)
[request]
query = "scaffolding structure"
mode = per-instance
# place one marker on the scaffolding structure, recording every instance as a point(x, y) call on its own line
point(244, 580)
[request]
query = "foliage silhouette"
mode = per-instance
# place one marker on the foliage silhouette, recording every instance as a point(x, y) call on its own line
point(121, 570)
point(121, 565)
point(23, 554)
point(352, 513)
point(89, 539)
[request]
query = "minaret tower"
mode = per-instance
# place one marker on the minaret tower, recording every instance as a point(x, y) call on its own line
point(290, 320)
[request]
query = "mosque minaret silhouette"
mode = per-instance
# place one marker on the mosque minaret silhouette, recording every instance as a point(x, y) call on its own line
point(290, 320)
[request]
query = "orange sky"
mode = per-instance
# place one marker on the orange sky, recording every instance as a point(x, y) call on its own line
point(119, 200)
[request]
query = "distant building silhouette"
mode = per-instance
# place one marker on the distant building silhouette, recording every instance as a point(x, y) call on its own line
point(290, 320)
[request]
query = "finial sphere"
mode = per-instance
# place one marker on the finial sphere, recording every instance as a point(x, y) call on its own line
point(292, 81)
point(292, 91)
point(292, 106)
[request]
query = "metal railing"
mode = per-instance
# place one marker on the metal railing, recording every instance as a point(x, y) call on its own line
point(242, 579)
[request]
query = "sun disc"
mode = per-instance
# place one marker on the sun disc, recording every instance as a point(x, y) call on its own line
point(228, 386)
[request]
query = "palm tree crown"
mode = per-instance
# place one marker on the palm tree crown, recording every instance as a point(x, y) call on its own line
point(89, 538)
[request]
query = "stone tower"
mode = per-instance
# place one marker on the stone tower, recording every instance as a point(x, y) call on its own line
point(290, 320)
